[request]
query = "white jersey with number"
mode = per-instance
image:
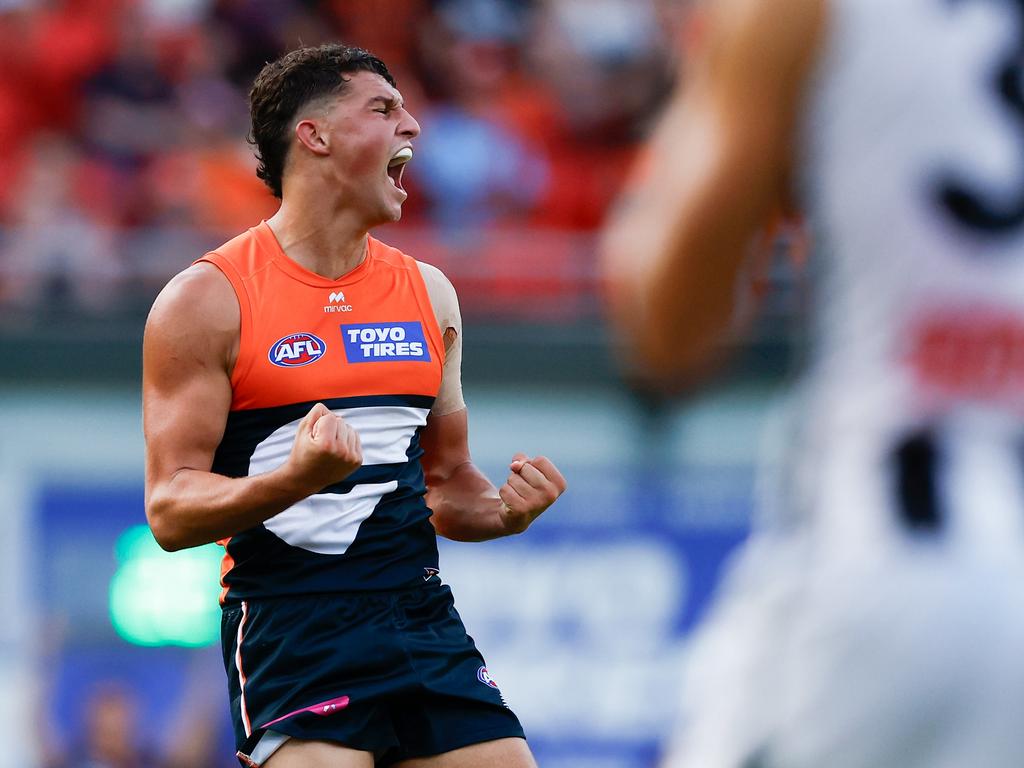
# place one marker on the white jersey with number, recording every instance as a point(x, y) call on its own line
point(877, 621)
point(913, 176)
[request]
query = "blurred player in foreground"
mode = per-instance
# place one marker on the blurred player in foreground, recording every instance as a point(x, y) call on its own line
point(301, 394)
point(875, 618)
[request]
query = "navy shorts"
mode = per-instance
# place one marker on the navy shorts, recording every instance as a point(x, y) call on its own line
point(392, 673)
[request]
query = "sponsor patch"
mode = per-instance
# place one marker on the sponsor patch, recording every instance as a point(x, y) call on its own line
point(336, 303)
point(385, 342)
point(969, 352)
point(297, 350)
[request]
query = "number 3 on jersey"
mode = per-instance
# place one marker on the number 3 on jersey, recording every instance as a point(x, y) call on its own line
point(977, 209)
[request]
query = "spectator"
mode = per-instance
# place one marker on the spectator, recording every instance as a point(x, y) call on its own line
point(473, 167)
point(56, 256)
point(110, 738)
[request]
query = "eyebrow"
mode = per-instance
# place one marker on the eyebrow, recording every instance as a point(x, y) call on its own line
point(388, 101)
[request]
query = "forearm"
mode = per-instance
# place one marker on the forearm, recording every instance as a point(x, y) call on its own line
point(194, 507)
point(466, 505)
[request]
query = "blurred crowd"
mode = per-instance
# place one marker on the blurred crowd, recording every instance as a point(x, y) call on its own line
point(114, 726)
point(123, 124)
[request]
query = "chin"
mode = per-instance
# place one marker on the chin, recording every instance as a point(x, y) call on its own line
point(386, 216)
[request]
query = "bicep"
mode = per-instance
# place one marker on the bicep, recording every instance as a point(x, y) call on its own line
point(186, 391)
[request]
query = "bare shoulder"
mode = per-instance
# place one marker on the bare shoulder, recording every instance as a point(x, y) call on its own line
point(198, 312)
point(200, 294)
point(436, 280)
point(442, 293)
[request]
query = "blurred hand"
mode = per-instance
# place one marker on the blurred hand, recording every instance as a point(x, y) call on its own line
point(326, 450)
point(532, 486)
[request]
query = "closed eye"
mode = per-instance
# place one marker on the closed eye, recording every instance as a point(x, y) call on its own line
point(385, 106)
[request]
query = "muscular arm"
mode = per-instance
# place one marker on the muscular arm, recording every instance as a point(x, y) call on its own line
point(466, 505)
point(720, 165)
point(189, 349)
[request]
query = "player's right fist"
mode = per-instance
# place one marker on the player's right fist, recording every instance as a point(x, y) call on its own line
point(326, 449)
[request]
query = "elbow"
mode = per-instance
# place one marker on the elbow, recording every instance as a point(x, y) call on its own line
point(161, 523)
point(674, 368)
point(439, 527)
point(438, 520)
point(654, 348)
point(446, 527)
point(657, 360)
point(670, 324)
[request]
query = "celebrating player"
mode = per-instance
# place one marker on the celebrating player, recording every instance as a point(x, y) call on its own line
point(303, 406)
point(877, 620)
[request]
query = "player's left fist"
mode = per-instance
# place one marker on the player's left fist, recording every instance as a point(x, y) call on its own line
point(532, 486)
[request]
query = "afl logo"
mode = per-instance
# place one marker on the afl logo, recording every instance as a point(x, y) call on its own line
point(297, 350)
point(485, 677)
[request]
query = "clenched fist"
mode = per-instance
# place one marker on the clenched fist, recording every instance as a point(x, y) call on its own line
point(532, 486)
point(326, 450)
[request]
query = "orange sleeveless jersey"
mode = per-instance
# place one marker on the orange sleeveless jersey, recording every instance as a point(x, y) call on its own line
point(368, 346)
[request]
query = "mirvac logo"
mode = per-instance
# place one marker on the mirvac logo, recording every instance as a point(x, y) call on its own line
point(385, 342)
point(297, 350)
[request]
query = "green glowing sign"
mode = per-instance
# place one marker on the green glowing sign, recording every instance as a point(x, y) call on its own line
point(165, 598)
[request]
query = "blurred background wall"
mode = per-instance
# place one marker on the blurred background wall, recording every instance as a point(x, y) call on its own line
point(122, 159)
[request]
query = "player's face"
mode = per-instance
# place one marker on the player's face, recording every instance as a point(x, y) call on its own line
point(368, 128)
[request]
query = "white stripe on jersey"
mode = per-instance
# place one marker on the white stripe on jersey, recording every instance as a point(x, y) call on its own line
point(384, 432)
point(327, 523)
point(241, 674)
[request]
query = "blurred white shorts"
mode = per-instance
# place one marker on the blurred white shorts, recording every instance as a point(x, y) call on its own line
point(913, 660)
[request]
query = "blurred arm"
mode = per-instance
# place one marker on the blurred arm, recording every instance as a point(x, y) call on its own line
point(189, 349)
point(719, 165)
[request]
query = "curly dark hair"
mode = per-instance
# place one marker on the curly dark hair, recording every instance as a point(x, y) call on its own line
point(286, 85)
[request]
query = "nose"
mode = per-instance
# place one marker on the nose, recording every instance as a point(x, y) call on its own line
point(408, 127)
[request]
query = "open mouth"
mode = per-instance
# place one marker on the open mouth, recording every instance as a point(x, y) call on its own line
point(396, 166)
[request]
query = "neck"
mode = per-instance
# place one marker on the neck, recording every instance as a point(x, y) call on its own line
point(318, 237)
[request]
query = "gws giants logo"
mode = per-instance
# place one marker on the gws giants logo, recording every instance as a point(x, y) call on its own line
point(297, 350)
point(485, 677)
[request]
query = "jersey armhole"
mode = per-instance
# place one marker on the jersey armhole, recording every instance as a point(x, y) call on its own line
point(245, 358)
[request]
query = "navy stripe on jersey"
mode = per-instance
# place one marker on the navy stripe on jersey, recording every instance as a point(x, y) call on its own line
point(369, 532)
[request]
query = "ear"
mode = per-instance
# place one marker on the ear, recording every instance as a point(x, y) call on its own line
point(310, 135)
